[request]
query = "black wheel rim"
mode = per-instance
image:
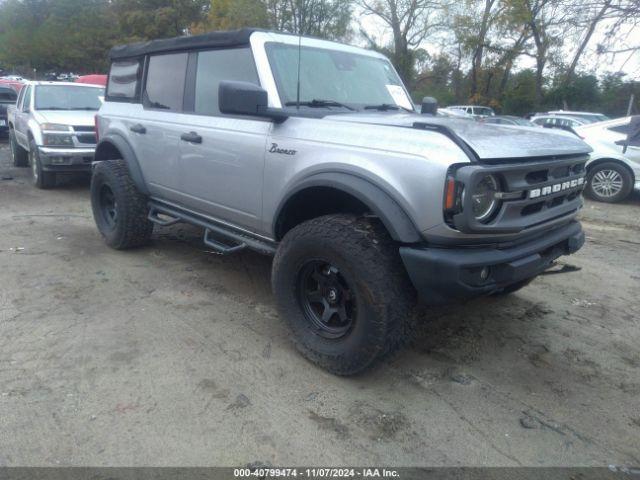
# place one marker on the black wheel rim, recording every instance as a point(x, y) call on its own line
point(327, 301)
point(108, 206)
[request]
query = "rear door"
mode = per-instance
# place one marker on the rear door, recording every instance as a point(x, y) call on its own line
point(221, 156)
point(155, 130)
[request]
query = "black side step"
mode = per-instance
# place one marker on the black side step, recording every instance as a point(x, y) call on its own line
point(214, 232)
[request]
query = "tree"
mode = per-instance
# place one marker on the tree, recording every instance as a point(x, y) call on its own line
point(320, 18)
point(149, 19)
point(232, 14)
point(411, 22)
point(546, 19)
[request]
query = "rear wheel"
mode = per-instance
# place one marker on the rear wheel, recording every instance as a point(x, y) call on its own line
point(19, 155)
point(609, 182)
point(340, 284)
point(39, 177)
point(119, 209)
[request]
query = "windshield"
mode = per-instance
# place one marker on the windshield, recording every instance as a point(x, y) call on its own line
point(68, 97)
point(335, 79)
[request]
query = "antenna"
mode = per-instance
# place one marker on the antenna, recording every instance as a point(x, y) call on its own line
point(299, 57)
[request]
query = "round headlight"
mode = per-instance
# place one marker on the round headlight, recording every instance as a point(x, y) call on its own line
point(485, 202)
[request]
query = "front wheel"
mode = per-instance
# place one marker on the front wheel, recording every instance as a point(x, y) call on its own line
point(609, 182)
point(340, 284)
point(119, 208)
point(39, 177)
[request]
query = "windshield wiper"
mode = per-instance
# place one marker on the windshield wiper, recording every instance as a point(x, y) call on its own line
point(84, 108)
point(385, 107)
point(316, 103)
point(52, 108)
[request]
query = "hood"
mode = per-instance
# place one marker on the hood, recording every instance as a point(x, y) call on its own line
point(488, 142)
point(71, 117)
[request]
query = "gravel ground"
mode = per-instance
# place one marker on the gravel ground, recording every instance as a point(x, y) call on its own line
point(172, 355)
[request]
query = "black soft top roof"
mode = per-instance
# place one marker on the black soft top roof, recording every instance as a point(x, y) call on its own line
point(230, 38)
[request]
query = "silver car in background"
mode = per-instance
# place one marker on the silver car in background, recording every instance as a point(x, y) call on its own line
point(52, 129)
point(613, 171)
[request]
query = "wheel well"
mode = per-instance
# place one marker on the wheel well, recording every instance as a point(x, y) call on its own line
point(608, 160)
point(107, 151)
point(314, 202)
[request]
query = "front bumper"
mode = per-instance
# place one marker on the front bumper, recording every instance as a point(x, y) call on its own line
point(444, 275)
point(66, 159)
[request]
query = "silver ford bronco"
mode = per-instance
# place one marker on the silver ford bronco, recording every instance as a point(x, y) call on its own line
point(313, 152)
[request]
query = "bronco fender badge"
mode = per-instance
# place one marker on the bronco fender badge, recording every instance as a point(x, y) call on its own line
point(282, 151)
point(558, 187)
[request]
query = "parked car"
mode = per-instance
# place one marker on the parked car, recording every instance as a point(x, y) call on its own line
point(586, 117)
point(557, 121)
point(363, 202)
point(93, 79)
point(475, 110)
point(612, 170)
point(509, 120)
point(452, 113)
point(13, 78)
point(8, 97)
point(52, 129)
point(16, 85)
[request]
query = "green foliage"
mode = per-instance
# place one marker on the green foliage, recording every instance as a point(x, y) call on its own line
point(320, 18)
point(232, 14)
point(76, 35)
point(520, 97)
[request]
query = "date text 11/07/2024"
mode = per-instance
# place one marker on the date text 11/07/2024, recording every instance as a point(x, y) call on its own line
point(315, 473)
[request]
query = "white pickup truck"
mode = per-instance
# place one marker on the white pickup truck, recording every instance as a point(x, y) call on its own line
point(52, 129)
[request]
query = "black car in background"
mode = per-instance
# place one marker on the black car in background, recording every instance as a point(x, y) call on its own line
point(8, 97)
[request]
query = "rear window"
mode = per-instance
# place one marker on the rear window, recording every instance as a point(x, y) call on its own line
point(124, 81)
point(8, 95)
point(164, 89)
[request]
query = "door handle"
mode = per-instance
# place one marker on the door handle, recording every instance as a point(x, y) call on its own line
point(191, 137)
point(138, 129)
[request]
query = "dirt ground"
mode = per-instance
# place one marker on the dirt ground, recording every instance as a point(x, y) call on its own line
point(172, 355)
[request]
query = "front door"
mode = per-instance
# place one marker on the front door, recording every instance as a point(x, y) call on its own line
point(222, 157)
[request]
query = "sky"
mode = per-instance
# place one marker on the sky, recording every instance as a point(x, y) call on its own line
point(628, 63)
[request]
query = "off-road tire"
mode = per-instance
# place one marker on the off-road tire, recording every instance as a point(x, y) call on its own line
point(367, 258)
point(19, 155)
point(130, 226)
point(627, 182)
point(39, 178)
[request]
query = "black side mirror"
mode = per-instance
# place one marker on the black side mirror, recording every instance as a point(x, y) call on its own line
point(243, 98)
point(429, 105)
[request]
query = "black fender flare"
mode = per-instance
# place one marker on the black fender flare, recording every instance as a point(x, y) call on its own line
point(128, 155)
point(395, 219)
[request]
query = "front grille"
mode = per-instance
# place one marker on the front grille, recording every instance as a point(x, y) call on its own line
point(532, 193)
point(88, 139)
point(84, 128)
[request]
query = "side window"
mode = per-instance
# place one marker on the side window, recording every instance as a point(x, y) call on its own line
point(124, 81)
point(26, 100)
point(218, 65)
point(165, 82)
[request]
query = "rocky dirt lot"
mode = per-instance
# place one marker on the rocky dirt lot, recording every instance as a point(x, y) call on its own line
point(172, 355)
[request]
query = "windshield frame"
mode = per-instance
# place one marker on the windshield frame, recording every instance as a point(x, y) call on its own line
point(38, 107)
point(259, 41)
